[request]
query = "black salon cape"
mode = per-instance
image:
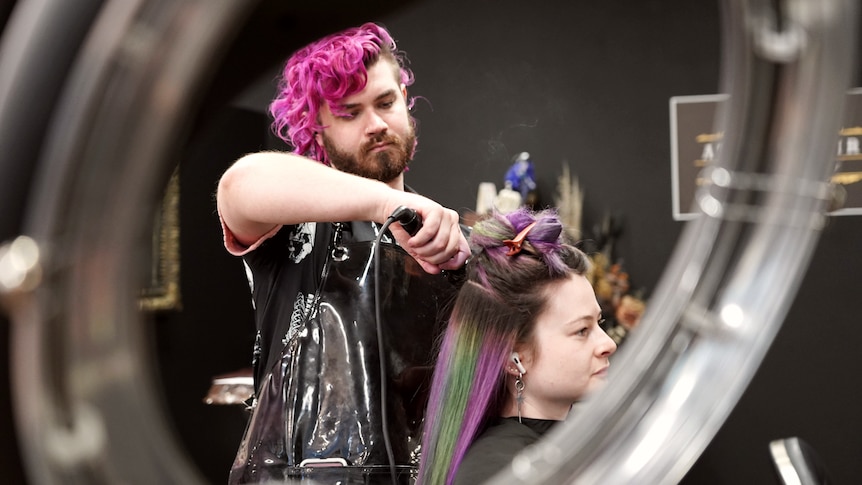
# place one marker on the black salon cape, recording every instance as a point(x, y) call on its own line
point(495, 448)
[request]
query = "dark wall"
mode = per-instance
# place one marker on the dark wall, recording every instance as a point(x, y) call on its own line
point(586, 83)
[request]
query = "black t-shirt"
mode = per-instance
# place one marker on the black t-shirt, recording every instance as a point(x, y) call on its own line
point(284, 273)
point(495, 448)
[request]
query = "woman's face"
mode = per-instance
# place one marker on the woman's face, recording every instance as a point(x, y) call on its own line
point(569, 354)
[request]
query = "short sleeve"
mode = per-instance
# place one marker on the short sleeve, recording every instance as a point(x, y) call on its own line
point(235, 247)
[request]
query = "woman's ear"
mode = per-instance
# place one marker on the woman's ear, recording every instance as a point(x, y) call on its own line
point(515, 365)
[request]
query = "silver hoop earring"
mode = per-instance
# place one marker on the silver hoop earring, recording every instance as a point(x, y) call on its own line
point(519, 388)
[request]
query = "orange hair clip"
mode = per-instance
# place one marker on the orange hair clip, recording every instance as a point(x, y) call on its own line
point(515, 244)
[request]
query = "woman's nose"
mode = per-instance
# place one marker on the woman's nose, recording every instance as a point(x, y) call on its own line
point(607, 346)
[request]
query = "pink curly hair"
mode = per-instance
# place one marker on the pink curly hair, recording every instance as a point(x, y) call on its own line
point(328, 70)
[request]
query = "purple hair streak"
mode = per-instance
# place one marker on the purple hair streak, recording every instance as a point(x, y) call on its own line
point(496, 309)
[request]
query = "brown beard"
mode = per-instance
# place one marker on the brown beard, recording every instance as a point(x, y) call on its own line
point(384, 166)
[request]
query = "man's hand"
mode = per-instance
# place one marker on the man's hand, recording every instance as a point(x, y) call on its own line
point(440, 243)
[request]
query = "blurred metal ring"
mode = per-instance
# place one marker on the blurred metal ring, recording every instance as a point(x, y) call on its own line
point(82, 379)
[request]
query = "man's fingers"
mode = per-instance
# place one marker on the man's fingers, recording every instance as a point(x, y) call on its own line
point(428, 267)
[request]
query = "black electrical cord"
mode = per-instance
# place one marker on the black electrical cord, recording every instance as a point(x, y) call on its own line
point(411, 222)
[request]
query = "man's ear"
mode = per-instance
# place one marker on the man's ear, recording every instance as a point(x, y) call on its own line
point(318, 137)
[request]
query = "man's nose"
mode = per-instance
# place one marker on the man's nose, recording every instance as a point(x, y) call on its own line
point(376, 124)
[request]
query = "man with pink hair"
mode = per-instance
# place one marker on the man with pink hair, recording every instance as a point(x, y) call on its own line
point(332, 402)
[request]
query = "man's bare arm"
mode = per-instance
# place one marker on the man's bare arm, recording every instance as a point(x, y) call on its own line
point(264, 190)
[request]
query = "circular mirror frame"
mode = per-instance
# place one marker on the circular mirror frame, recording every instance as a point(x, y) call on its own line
point(83, 393)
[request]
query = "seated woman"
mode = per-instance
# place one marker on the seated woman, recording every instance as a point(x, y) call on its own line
point(522, 346)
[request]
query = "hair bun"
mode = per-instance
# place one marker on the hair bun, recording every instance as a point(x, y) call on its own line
point(502, 238)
